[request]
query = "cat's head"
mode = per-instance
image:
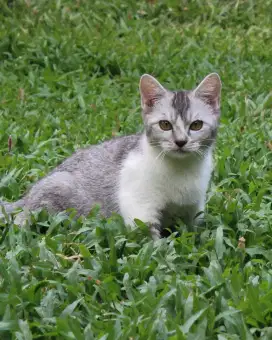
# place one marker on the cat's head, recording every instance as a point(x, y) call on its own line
point(181, 123)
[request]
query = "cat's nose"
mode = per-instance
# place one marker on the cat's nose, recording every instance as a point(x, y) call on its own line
point(180, 143)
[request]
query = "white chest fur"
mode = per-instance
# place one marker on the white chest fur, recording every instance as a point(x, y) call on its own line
point(148, 184)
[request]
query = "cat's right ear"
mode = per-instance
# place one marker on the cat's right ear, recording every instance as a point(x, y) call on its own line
point(151, 91)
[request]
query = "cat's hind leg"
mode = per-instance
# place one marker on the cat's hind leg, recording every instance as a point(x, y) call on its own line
point(54, 193)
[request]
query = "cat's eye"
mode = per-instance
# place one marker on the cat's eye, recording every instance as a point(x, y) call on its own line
point(165, 125)
point(196, 125)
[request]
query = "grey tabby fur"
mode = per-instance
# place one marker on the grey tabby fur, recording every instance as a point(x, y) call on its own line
point(93, 175)
point(86, 178)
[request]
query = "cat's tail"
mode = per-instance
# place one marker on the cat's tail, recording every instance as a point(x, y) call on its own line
point(6, 209)
point(10, 207)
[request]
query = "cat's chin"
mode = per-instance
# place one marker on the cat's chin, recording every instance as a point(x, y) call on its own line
point(179, 154)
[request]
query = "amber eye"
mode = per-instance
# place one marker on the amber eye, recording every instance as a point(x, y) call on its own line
point(196, 125)
point(165, 125)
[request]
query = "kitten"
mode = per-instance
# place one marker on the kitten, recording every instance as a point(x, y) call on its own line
point(161, 173)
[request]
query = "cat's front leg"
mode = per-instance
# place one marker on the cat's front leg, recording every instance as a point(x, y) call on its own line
point(155, 231)
point(190, 214)
point(144, 212)
point(153, 225)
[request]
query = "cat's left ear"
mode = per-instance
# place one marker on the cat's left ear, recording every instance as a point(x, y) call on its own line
point(151, 91)
point(209, 90)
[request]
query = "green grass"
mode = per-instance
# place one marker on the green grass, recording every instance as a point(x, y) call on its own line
point(69, 73)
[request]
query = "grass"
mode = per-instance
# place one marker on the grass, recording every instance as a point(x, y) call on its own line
point(69, 73)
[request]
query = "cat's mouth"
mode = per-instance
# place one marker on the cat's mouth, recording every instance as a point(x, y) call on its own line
point(181, 151)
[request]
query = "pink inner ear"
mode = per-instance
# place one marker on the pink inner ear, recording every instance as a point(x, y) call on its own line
point(209, 100)
point(151, 90)
point(209, 90)
point(150, 102)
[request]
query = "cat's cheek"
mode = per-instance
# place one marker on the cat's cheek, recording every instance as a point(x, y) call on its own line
point(200, 134)
point(167, 145)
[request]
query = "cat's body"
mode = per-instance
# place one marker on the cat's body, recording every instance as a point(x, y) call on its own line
point(162, 187)
point(151, 176)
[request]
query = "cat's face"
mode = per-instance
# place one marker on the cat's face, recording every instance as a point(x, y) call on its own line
point(181, 123)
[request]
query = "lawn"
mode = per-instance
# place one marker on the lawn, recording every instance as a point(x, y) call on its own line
point(69, 73)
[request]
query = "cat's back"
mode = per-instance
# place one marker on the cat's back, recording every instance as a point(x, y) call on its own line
point(104, 156)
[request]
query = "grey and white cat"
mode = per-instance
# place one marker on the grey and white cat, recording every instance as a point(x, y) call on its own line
point(161, 173)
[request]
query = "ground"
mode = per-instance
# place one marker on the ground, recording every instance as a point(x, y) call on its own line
point(69, 73)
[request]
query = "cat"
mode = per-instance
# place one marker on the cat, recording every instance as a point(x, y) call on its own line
point(153, 176)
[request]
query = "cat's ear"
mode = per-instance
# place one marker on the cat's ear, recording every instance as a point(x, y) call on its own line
point(209, 90)
point(151, 91)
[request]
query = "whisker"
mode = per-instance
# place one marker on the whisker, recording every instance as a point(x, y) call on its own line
point(204, 146)
point(154, 144)
point(199, 154)
point(158, 156)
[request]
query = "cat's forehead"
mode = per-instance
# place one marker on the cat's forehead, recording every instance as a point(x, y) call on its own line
point(176, 104)
point(183, 104)
point(180, 103)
